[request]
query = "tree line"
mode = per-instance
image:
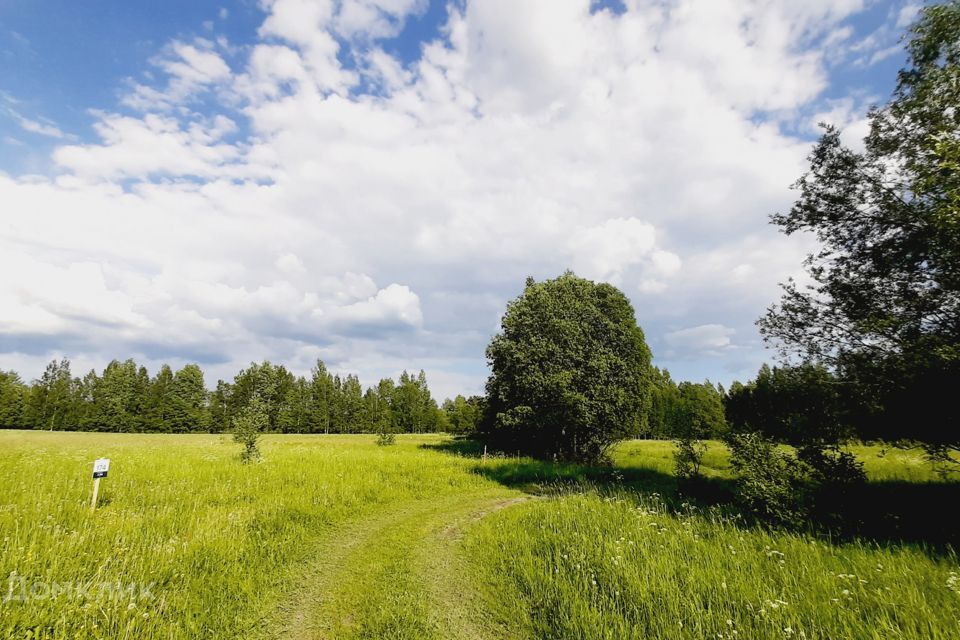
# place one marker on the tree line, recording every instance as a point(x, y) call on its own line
point(125, 398)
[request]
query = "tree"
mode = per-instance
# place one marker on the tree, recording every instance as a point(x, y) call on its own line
point(351, 405)
point(219, 407)
point(414, 409)
point(118, 398)
point(696, 416)
point(377, 411)
point(664, 404)
point(883, 306)
point(270, 383)
point(321, 398)
point(248, 425)
point(799, 405)
point(189, 401)
point(159, 404)
point(804, 406)
point(51, 403)
point(463, 414)
point(12, 394)
point(295, 413)
point(570, 371)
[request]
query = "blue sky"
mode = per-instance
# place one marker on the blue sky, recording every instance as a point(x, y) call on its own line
point(369, 181)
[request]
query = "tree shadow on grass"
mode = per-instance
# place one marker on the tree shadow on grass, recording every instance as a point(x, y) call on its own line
point(896, 511)
point(544, 477)
point(884, 513)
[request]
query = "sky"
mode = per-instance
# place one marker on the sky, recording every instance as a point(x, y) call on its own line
point(370, 181)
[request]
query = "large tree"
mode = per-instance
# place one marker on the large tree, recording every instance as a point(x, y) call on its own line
point(12, 394)
point(51, 403)
point(570, 371)
point(190, 411)
point(883, 302)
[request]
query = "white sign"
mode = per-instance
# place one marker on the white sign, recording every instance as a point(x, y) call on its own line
point(100, 467)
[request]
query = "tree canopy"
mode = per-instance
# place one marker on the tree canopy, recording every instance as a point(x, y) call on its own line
point(570, 371)
point(125, 398)
point(883, 303)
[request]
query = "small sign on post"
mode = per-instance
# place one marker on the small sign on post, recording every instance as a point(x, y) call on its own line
point(100, 468)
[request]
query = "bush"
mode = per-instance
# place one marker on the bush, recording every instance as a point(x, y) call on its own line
point(830, 467)
point(770, 482)
point(386, 438)
point(687, 458)
point(247, 427)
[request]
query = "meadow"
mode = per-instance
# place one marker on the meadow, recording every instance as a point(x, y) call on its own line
point(336, 537)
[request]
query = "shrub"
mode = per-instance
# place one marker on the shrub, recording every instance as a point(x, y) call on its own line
point(687, 458)
point(770, 482)
point(830, 467)
point(386, 438)
point(247, 427)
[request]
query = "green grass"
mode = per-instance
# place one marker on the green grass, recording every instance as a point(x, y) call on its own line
point(335, 537)
point(216, 544)
point(613, 566)
point(881, 462)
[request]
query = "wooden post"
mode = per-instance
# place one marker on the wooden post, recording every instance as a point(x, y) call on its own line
point(484, 453)
point(96, 490)
point(100, 468)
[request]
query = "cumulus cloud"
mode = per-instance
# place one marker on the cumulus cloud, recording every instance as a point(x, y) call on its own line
point(380, 213)
point(705, 339)
point(606, 251)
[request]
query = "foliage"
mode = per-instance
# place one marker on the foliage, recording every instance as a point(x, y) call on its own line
point(464, 414)
point(50, 404)
point(124, 398)
point(414, 409)
point(770, 481)
point(689, 408)
point(569, 371)
point(692, 413)
point(248, 426)
point(664, 401)
point(805, 406)
point(688, 457)
point(386, 438)
point(800, 405)
point(884, 303)
point(12, 395)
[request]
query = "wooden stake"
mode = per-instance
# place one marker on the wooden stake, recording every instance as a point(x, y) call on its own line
point(484, 453)
point(96, 490)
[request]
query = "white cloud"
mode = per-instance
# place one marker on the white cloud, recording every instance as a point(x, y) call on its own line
point(305, 217)
point(908, 14)
point(42, 128)
point(375, 18)
point(606, 251)
point(157, 145)
point(705, 339)
point(849, 115)
point(190, 68)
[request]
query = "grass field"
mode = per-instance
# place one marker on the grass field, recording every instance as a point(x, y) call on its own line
point(335, 537)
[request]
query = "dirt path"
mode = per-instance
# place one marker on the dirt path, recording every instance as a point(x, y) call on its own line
point(397, 574)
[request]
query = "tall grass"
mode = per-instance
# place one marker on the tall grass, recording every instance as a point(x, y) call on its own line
point(881, 462)
point(597, 565)
point(187, 543)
